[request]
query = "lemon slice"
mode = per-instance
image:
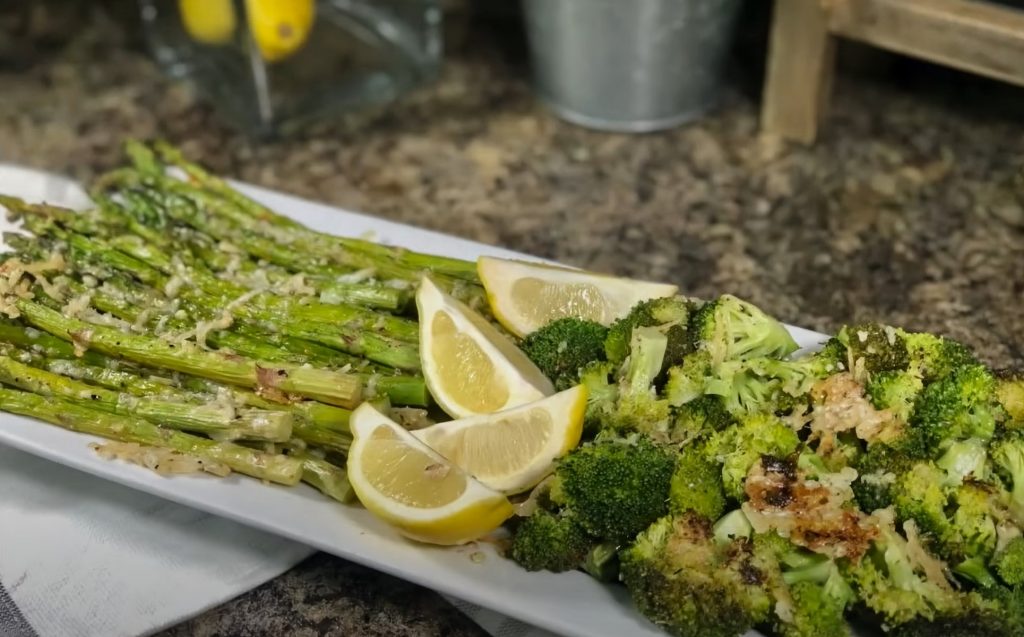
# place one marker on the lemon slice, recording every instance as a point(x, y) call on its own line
point(526, 296)
point(411, 486)
point(469, 366)
point(512, 450)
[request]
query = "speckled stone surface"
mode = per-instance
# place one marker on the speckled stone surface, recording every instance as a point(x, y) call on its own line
point(908, 210)
point(328, 597)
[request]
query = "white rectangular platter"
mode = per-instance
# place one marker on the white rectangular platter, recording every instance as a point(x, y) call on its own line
point(569, 604)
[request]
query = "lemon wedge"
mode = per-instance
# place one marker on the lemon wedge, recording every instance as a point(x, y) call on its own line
point(527, 296)
point(511, 451)
point(469, 366)
point(280, 27)
point(414, 488)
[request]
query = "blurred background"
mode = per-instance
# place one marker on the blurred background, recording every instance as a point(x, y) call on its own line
point(906, 208)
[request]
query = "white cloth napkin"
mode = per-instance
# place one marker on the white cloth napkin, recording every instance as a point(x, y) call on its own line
point(83, 557)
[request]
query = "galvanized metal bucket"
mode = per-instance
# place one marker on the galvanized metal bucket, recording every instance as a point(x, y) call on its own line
point(630, 65)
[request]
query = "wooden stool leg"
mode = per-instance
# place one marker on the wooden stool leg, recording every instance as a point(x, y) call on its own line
point(799, 75)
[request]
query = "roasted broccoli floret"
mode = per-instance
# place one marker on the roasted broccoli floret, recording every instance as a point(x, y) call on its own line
point(729, 328)
point(909, 590)
point(976, 571)
point(919, 495)
point(699, 418)
point(738, 448)
point(745, 389)
point(1007, 456)
point(697, 485)
point(687, 380)
point(961, 405)
point(1007, 602)
point(550, 542)
point(880, 347)
point(972, 521)
point(845, 452)
point(955, 521)
point(769, 384)
point(670, 315)
point(565, 346)
point(969, 615)
point(639, 407)
point(602, 562)
point(874, 491)
point(965, 460)
point(935, 357)
point(816, 594)
point(602, 393)
point(881, 464)
point(692, 586)
point(895, 390)
point(734, 525)
point(616, 488)
point(900, 582)
point(1010, 394)
point(815, 613)
point(1009, 562)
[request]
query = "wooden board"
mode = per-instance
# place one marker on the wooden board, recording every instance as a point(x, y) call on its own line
point(799, 75)
point(972, 35)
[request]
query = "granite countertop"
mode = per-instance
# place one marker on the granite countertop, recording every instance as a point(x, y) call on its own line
point(908, 211)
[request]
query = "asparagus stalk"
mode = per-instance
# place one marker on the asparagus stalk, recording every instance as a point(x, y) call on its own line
point(375, 295)
point(270, 378)
point(147, 262)
point(187, 205)
point(353, 330)
point(127, 302)
point(307, 351)
point(117, 379)
point(271, 467)
point(295, 307)
point(312, 422)
point(251, 214)
point(217, 420)
point(328, 478)
point(30, 338)
point(400, 389)
point(198, 174)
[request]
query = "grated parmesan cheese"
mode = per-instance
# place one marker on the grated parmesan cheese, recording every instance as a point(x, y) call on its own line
point(358, 276)
point(158, 459)
point(77, 305)
point(173, 286)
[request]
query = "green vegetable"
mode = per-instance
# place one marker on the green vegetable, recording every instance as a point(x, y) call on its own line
point(564, 347)
point(615, 489)
point(692, 586)
point(551, 542)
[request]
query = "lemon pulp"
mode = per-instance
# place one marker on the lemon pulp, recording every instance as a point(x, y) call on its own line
point(464, 369)
point(408, 475)
point(504, 445)
point(543, 302)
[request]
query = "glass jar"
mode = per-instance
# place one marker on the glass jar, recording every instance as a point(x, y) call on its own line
point(271, 66)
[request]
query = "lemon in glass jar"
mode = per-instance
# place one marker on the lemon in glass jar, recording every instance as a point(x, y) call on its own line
point(280, 27)
point(208, 21)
